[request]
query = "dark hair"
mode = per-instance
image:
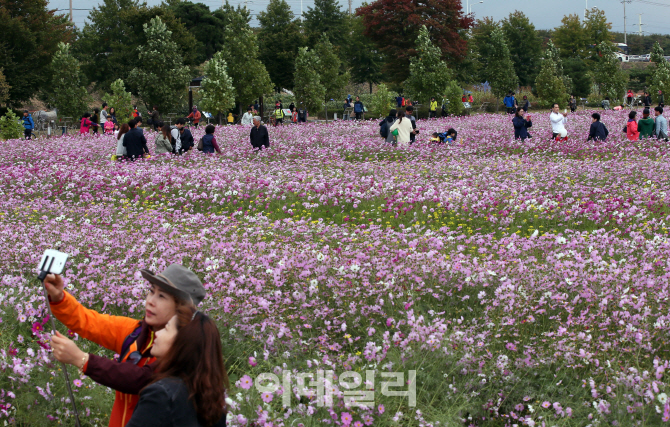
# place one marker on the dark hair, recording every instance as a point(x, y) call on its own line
point(607, 98)
point(165, 130)
point(645, 112)
point(525, 97)
point(86, 115)
point(104, 104)
point(132, 124)
point(196, 358)
point(393, 112)
point(596, 116)
point(96, 111)
point(112, 109)
point(451, 131)
point(124, 128)
point(181, 121)
point(659, 109)
point(400, 115)
point(155, 107)
point(632, 114)
point(435, 134)
point(138, 119)
point(520, 109)
point(555, 103)
point(409, 108)
point(210, 129)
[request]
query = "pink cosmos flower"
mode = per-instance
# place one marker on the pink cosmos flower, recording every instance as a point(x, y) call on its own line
point(380, 408)
point(546, 404)
point(267, 397)
point(78, 382)
point(346, 418)
point(252, 361)
point(245, 382)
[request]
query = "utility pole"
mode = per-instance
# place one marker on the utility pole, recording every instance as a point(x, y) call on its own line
point(587, 8)
point(640, 24)
point(625, 41)
point(71, 11)
point(349, 7)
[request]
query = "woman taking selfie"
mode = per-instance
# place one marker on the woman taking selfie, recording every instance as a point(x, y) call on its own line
point(189, 382)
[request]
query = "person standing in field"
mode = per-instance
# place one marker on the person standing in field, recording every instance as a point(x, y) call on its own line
point(28, 125)
point(359, 108)
point(95, 118)
point(135, 143)
point(573, 103)
point(85, 124)
point(103, 115)
point(163, 140)
point(409, 110)
point(154, 117)
point(521, 124)
point(248, 117)
point(195, 115)
point(259, 135)
point(433, 108)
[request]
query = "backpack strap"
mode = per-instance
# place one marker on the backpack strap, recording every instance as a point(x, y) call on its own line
point(130, 339)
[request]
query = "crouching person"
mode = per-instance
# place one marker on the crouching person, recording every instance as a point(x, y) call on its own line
point(132, 339)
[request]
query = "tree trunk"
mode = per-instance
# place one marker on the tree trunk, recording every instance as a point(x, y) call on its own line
point(325, 105)
point(497, 105)
point(370, 83)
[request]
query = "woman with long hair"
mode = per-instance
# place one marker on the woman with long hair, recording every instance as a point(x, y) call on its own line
point(521, 124)
point(120, 149)
point(164, 140)
point(404, 127)
point(190, 380)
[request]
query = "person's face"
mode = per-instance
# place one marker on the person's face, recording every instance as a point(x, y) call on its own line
point(257, 123)
point(358, 99)
point(159, 307)
point(593, 120)
point(522, 113)
point(555, 108)
point(25, 114)
point(656, 113)
point(164, 338)
point(180, 126)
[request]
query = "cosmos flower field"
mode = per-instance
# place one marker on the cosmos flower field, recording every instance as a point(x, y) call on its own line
point(526, 283)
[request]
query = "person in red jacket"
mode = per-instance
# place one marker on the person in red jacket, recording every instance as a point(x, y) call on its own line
point(631, 127)
point(195, 115)
point(132, 339)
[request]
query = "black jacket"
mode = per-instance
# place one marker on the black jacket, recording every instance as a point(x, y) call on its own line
point(598, 131)
point(165, 404)
point(259, 137)
point(186, 140)
point(135, 143)
point(520, 127)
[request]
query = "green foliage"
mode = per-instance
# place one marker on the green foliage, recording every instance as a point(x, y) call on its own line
point(325, 18)
point(308, 87)
point(578, 73)
point(452, 97)
point(121, 100)
point(279, 39)
point(29, 38)
point(500, 73)
point(381, 102)
point(4, 87)
point(482, 48)
point(249, 76)
point(571, 37)
point(608, 75)
point(362, 55)
point(429, 75)
point(596, 27)
point(216, 90)
point(107, 45)
point(66, 92)
point(10, 127)
point(660, 77)
point(524, 46)
point(161, 77)
point(206, 26)
point(549, 85)
point(330, 69)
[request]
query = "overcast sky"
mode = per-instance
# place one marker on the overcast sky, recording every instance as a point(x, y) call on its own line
point(544, 14)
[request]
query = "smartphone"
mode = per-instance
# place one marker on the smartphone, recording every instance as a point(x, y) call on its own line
point(52, 261)
point(565, 110)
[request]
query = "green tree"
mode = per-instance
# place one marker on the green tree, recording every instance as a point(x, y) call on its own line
point(500, 73)
point(608, 75)
point(279, 39)
point(577, 72)
point(107, 45)
point(28, 40)
point(217, 90)
point(206, 26)
point(331, 72)
point(121, 100)
point(482, 49)
point(571, 37)
point(250, 78)
point(381, 102)
point(524, 46)
point(308, 87)
point(429, 75)
point(597, 28)
point(161, 77)
point(660, 77)
point(325, 18)
point(362, 55)
point(65, 91)
point(10, 127)
point(4, 87)
point(554, 53)
point(548, 84)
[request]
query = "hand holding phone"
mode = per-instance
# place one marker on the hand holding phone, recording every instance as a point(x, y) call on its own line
point(51, 265)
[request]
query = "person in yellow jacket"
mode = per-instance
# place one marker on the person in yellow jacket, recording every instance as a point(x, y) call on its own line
point(231, 119)
point(132, 339)
point(433, 108)
point(279, 116)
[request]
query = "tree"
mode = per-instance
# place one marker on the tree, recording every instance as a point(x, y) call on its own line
point(660, 77)
point(4, 87)
point(362, 55)
point(216, 89)
point(577, 72)
point(161, 78)
point(482, 49)
point(325, 18)
point(381, 101)
point(608, 74)
point(206, 26)
point(393, 25)
point(500, 73)
point(524, 46)
point(107, 45)
point(308, 87)
point(250, 78)
point(28, 40)
point(548, 84)
point(597, 28)
point(65, 91)
point(330, 70)
point(120, 100)
point(10, 128)
point(572, 38)
point(429, 75)
point(554, 54)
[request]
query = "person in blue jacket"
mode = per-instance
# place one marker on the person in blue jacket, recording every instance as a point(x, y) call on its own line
point(510, 103)
point(521, 124)
point(358, 108)
point(28, 125)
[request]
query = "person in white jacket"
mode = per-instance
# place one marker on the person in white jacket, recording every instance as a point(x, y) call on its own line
point(248, 117)
point(404, 127)
point(558, 121)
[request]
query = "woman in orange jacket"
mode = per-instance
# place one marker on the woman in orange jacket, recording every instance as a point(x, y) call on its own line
point(195, 115)
point(132, 339)
point(631, 127)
